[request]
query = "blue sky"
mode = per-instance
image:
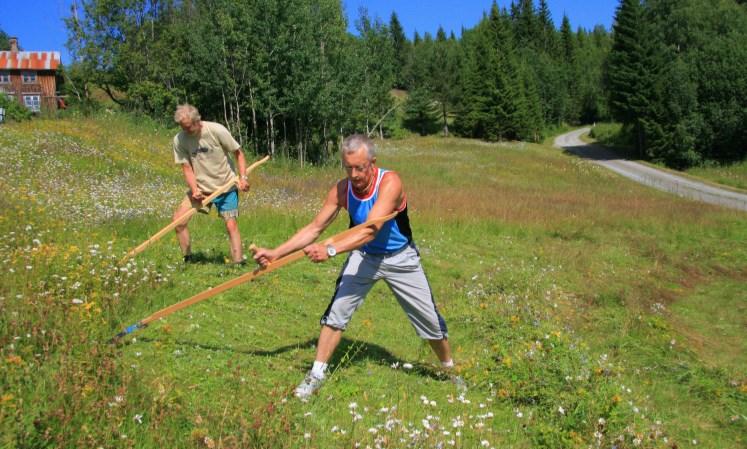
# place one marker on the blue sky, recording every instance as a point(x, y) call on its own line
point(38, 24)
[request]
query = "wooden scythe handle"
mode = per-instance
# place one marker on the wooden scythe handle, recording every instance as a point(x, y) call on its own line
point(285, 260)
point(184, 217)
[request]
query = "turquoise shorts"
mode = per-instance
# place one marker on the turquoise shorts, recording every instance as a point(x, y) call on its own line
point(227, 205)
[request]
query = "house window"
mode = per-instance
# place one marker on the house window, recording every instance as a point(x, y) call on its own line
point(32, 102)
point(4, 77)
point(28, 76)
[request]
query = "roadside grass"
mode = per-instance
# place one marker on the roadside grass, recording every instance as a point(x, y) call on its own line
point(733, 175)
point(584, 310)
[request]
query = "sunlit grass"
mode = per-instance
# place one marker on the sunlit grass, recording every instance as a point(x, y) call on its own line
point(584, 310)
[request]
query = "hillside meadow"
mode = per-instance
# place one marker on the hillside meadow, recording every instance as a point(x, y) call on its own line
point(585, 311)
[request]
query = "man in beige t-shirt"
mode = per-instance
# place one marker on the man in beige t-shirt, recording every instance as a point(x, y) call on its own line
point(203, 149)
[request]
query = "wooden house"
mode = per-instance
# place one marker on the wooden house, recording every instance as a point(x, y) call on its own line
point(29, 77)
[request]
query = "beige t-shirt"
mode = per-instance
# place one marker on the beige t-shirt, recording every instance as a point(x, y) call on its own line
point(209, 155)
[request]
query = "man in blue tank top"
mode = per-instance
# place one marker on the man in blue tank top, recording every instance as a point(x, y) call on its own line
point(382, 251)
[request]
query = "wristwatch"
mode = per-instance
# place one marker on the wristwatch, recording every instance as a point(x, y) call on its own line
point(331, 251)
point(244, 178)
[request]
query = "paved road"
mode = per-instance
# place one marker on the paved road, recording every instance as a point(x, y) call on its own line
point(644, 174)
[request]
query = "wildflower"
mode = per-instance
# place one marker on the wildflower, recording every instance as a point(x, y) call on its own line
point(77, 301)
point(561, 410)
point(407, 365)
point(306, 436)
point(373, 430)
point(138, 418)
point(307, 414)
point(484, 443)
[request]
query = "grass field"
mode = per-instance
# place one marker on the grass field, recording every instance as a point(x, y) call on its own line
point(584, 310)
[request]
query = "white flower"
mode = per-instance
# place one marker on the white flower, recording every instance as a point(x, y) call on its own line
point(407, 365)
point(561, 410)
point(484, 443)
point(353, 405)
point(77, 301)
point(138, 418)
point(372, 430)
point(306, 436)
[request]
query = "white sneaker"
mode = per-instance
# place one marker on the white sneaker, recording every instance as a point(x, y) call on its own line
point(308, 386)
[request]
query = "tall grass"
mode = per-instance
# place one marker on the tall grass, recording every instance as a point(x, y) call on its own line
point(584, 310)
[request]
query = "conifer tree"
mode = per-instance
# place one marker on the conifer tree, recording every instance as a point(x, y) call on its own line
point(400, 47)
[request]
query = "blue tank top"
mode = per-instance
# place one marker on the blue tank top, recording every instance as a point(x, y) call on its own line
point(394, 235)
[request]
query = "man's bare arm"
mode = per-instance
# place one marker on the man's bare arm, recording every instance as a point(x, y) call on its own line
point(389, 200)
point(306, 235)
point(189, 176)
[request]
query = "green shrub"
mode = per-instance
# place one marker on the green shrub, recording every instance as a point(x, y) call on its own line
point(13, 110)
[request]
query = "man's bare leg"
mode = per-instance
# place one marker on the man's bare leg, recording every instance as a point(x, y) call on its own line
point(329, 338)
point(182, 232)
point(442, 349)
point(234, 238)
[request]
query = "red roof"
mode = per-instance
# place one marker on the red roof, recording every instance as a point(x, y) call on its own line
point(29, 60)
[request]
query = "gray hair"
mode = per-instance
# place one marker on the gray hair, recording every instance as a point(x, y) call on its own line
point(186, 111)
point(353, 143)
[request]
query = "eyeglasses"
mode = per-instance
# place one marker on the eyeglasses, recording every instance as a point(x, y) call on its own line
point(358, 168)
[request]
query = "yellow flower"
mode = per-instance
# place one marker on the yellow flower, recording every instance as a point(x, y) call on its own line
point(507, 362)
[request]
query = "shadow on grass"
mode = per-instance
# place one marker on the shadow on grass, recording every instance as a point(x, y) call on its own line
point(202, 258)
point(360, 351)
point(593, 152)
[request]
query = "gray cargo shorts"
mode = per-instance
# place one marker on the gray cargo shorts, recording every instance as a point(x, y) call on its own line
point(403, 273)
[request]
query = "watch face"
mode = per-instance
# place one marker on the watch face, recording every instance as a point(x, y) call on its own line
point(331, 251)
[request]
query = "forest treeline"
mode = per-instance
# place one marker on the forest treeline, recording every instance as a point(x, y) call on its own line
point(288, 78)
